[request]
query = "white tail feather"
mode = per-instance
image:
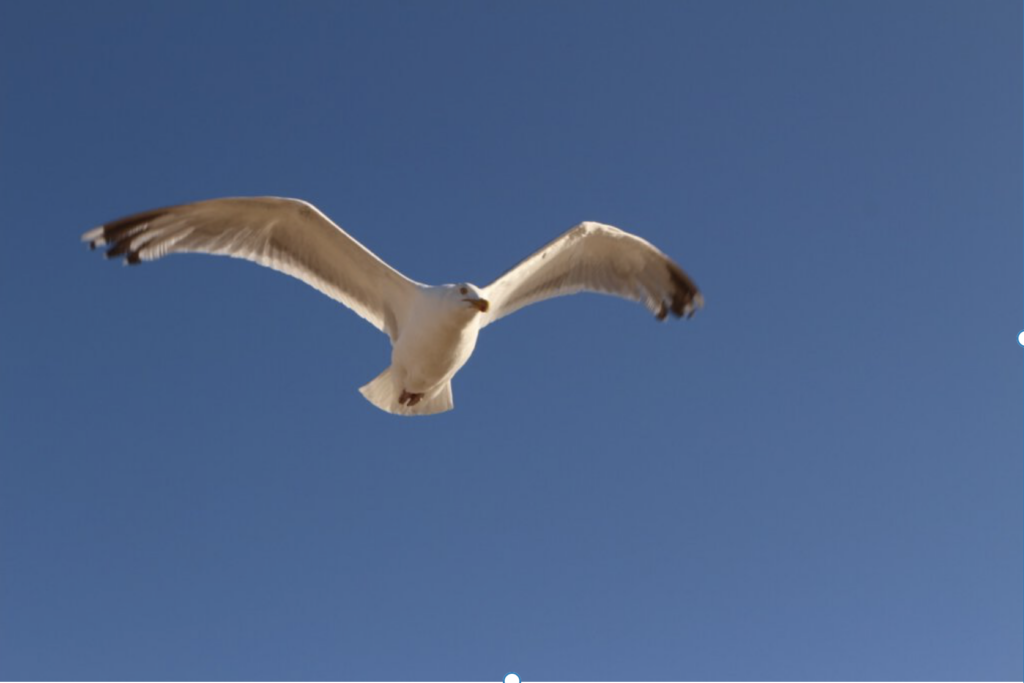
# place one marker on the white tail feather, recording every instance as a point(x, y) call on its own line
point(385, 390)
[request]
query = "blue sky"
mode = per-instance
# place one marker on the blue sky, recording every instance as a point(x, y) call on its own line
point(817, 477)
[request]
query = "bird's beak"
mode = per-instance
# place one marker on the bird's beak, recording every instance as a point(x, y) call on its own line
point(479, 304)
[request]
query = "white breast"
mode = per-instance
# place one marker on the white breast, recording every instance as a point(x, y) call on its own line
point(437, 339)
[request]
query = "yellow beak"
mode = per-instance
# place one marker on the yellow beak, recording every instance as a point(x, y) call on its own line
point(479, 304)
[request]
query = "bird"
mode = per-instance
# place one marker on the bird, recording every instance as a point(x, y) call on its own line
point(433, 329)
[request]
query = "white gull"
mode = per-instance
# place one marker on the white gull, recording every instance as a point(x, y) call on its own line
point(433, 330)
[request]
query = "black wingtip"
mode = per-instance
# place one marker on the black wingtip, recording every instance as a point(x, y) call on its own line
point(686, 298)
point(118, 235)
point(118, 248)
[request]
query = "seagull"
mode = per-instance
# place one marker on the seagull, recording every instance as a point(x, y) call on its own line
point(433, 329)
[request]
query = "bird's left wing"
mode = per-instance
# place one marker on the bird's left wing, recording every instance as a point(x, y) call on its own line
point(288, 235)
point(596, 258)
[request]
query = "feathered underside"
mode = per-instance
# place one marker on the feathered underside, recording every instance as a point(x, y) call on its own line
point(287, 235)
point(596, 258)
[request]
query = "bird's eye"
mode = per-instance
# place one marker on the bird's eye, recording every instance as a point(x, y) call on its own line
point(463, 290)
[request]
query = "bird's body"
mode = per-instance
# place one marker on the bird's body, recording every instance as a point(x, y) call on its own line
point(432, 345)
point(433, 329)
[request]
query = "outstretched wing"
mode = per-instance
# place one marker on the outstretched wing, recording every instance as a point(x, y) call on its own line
point(288, 235)
point(596, 258)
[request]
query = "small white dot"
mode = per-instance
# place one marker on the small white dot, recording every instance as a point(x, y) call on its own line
point(514, 678)
point(1020, 338)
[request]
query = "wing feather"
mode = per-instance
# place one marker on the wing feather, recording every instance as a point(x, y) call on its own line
point(287, 235)
point(596, 258)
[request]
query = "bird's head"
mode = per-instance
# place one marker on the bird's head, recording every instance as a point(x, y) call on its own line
point(471, 295)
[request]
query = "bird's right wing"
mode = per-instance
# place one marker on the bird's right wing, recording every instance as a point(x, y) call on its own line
point(288, 235)
point(596, 258)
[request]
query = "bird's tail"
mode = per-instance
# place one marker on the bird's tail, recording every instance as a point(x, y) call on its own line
point(385, 390)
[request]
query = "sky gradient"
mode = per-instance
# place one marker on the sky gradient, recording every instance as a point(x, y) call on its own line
point(818, 477)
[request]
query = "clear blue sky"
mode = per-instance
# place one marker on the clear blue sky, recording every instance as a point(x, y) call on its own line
point(819, 476)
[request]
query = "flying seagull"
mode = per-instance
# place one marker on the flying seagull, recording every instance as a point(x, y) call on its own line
point(433, 330)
